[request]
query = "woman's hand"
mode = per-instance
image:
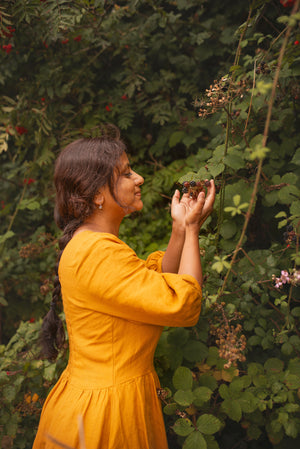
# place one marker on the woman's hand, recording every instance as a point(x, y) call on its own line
point(178, 209)
point(193, 212)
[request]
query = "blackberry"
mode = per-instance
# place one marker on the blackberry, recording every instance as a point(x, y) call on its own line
point(186, 184)
point(192, 183)
point(185, 190)
point(290, 228)
point(207, 183)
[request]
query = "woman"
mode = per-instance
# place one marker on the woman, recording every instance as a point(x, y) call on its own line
point(115, 303)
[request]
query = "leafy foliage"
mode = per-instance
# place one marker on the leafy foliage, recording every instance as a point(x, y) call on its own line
point(199, 90)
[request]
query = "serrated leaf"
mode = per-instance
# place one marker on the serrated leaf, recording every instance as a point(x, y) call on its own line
point(195, 351)
point(195, 441)
point(183, 379)
point(170, 409)
point(201, 395)
point(274, 365)
point(292, 381)
point(183, 427)
point(224, 391)
point(232, 408)
point(208, 424)
point(183, 397)
point(234, 161)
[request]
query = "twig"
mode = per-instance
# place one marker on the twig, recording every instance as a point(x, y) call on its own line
point(264, 142)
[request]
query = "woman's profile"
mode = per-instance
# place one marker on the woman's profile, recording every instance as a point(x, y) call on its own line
point(115, 303)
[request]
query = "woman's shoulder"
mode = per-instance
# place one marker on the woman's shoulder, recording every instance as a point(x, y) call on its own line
point(87, 244)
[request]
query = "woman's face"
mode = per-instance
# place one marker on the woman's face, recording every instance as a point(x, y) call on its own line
point(126, 190)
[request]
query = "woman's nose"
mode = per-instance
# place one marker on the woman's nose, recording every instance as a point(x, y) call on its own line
point(139, 179)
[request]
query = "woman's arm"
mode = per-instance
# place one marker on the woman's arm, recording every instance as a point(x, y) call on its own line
point(188, 216)
point(197, 212)
point(172, 256)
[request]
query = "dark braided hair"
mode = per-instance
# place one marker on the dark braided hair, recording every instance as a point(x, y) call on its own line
point(81, 169)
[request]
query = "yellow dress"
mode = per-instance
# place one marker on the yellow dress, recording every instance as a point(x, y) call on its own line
point(115, 306)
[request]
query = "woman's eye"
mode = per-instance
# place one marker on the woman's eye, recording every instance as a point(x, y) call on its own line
point(128, 174)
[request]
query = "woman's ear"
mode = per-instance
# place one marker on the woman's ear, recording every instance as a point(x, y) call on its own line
point(99, 200)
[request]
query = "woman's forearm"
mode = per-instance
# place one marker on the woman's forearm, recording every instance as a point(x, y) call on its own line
point(190, 262)
point(172, 256)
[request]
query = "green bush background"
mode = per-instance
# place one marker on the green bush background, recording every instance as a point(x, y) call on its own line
point(151, 67)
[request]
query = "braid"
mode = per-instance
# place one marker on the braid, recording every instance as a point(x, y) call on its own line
point(82, 168)
point(52, 331)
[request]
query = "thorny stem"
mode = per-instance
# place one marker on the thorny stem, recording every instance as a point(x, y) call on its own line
point(239, 48)
point(251, 98)
point(228, 126)
point(264, 142)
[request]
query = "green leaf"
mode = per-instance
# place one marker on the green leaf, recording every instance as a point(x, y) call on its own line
point(234, 161)
point(296, 312)
point(175, 138)
point(201, 395)
point(287, 348)
point(183, 427)
point(228, 229)
point(6, 236)
point(9, 393)
point(248, 402)
point(12, 426)
point(274, 365)
point(170, 409)
point(288, 194)
point(236, 200)
point(178, 336)
point(232, 408)
point(259, 152)
point(195, 441)
point(216, 169)
point(292, 428)
point(183, 397)
point(195, 351)
point(3, 301)
point(224, 391)
point(183, 379)
point(296, 158)
point(281, 214)
point(292, 381)
point(208, 424)
point(49, 371)
point(207, 380)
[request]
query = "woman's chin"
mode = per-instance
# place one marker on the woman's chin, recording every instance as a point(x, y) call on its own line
point(134, 208)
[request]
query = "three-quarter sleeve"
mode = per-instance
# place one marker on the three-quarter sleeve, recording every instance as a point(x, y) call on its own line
point(154, 261)
point(101, 273)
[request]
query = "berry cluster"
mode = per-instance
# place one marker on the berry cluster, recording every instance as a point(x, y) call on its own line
point(193, 188)
point(289, 236)
point(221, 93)
point(230, 341)
point(263, 69)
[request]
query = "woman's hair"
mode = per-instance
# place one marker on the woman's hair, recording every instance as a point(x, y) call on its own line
point(81, 169)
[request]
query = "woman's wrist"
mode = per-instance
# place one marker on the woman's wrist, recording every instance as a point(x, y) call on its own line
point(177, 228)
